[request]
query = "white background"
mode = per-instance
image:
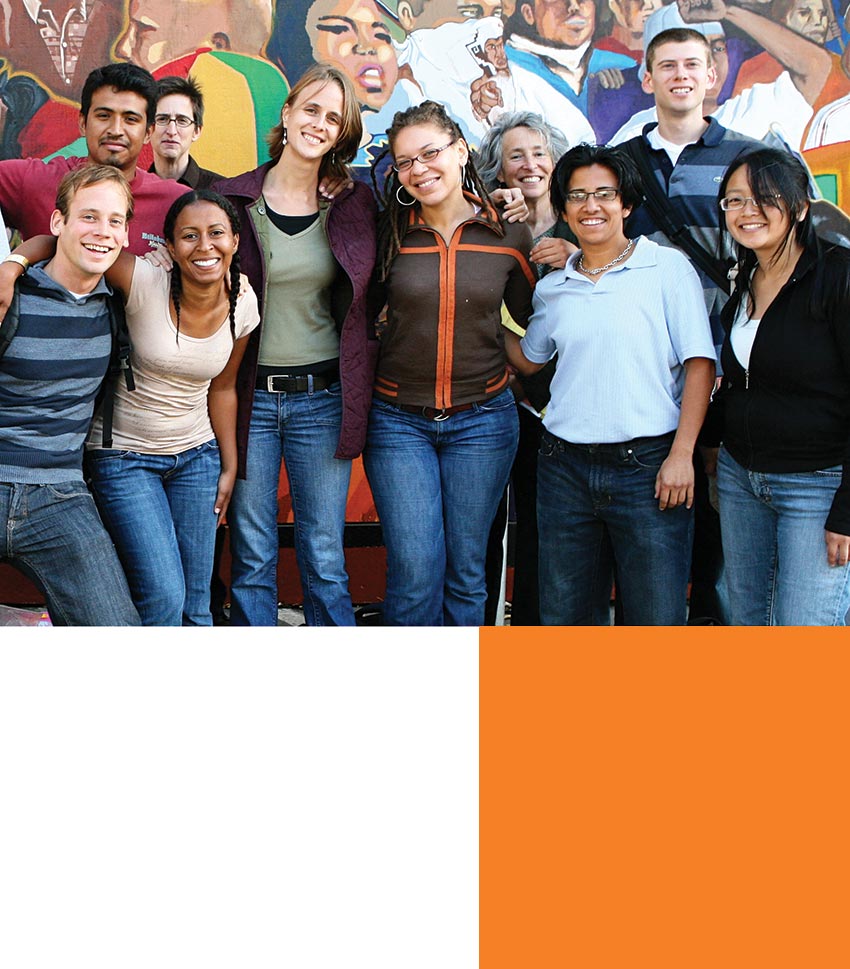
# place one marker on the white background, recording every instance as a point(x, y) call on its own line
point(216, 798)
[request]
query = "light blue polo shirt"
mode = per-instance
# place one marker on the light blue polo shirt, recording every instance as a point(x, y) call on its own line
point(621, 344)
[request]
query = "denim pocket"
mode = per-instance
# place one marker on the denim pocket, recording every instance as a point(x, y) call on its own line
point(500, 402)
point(106, 454)
point(335, 390)
point(65, 490)
point(649, 457)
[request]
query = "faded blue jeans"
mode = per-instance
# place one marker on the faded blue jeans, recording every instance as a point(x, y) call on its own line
point(160, 511)
point(437, 485)
point(595, 507)
point(776, 569)
point(53, 534)
point(302, 429)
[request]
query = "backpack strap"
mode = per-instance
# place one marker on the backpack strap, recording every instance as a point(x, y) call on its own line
point(9, 325)
point(119, 363)
point(662, 213)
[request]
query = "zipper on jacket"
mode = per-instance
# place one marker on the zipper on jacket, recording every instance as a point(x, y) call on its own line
point(747, 379)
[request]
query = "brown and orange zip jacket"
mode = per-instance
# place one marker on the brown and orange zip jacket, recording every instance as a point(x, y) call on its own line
point(443, 344)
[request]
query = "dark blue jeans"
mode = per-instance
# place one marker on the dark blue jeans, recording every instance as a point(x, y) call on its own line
point(302, 429)
point(436, 486)
point(160, 512)
point(595, 507)
point(53, 534)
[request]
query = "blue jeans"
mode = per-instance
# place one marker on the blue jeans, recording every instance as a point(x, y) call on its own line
point(53, 534)
point(596, 507)
point(437, 485)
point(773, 545)
point(160, 511)
point(302, 429)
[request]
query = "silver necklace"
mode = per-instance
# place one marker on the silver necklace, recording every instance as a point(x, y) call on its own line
point(596, 272)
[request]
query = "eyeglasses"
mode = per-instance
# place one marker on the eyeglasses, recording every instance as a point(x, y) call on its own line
point(164, 120)
point(733, 202)
point(423, 158)
point(601, 194)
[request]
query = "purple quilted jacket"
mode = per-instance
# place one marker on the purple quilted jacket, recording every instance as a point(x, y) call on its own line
point(350, 228)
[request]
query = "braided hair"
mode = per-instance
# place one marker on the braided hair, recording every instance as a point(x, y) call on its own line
point(226, 206)
point(394, 216)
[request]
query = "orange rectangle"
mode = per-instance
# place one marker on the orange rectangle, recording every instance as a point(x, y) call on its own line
point(664, 798)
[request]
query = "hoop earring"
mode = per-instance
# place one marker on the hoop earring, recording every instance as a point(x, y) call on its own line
point(400, 200)
point(462, 175)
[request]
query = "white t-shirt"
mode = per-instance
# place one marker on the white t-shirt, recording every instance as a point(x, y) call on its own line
point(831, 124)
point(167, 412)
point(743, 335)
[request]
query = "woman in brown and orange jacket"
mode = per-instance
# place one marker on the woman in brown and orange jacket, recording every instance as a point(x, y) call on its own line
point(443, 426)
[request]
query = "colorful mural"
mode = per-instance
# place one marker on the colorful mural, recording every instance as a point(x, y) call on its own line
point(577, 62)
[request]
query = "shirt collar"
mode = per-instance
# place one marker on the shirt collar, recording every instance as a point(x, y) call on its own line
point(644, 255)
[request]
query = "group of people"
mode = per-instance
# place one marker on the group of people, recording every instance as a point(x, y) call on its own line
point(287, 320)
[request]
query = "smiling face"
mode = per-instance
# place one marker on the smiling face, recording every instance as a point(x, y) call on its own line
point(173, 142)
point(762, 228)
point(90, 237)
point(353, 36)
point(562, 23)
point(596, 225)
point(679, 77)
point(439, 180)
point(526, 162)
point(204, 243)
point(116, 128)
point(314, 120)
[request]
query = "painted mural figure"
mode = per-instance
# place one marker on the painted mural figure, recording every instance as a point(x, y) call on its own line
point(554, 40)
point(159, 31)
point(60, 42)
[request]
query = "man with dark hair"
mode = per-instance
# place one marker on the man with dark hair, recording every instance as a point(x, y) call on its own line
point(50, 374)
point(178, 123)
point(117, 109)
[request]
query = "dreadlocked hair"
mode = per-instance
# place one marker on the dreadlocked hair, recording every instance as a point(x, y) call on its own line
point(393, 218)
point(226, 206)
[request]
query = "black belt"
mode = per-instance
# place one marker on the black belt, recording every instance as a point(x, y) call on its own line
point(285, 383)
point(610, 448)
point(434, 413)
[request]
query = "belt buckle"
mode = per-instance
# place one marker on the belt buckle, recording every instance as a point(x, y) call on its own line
point(270, 383)
point(439, 415)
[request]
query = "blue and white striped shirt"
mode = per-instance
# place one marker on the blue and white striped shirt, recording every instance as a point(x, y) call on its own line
point(49, 378)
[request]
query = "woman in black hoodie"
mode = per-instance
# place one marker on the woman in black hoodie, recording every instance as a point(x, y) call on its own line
point(785, 403)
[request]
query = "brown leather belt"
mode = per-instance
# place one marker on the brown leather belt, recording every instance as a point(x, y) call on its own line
point(434, 413)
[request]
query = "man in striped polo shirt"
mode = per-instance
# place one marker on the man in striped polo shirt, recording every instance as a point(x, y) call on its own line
point(688, 154)
point(49, 378)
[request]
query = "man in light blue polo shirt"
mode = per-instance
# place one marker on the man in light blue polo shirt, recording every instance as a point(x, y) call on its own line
point(634, 374)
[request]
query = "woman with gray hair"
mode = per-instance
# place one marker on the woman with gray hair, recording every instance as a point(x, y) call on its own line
point(520, 151)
